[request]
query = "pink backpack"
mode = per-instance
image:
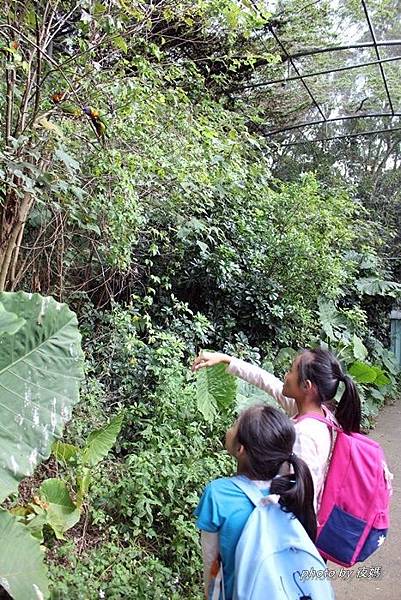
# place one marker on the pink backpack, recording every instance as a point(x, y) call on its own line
point(353, 517)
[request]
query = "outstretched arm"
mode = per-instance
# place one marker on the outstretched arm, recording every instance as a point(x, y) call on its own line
point(209, 359)
point(250, 373)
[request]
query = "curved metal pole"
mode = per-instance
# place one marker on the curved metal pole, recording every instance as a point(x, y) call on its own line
point(346, 47)
point(300, 77)
point(332, 120)
point(340, 137)
point(372, 33)
point(317, 73)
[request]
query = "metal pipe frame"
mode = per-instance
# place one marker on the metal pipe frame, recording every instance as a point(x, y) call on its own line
point(333, 120)
point(346, 47)
point(342, 136)
point(301, 77)
point(372, 33)
point(317, 73)
point(297, 72)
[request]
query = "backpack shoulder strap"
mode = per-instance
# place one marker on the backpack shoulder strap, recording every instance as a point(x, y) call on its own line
point(249, 488)
point(318, 417)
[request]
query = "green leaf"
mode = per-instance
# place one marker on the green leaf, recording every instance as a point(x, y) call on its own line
point(69, 161)
point(248, 395)
point(83, 482)
point(61, 512)
point(390, 362)
point(9, 322)
point(35, 525)
point(381, 377)
point(99, 9)
point(40, 370)
point(92, 227)
point(30, 16)
point(100, 442)
point(330, 318)
point(215, 389)
point(120, 43)
point(22, 572)
point(19, 511)
point(205, 401)
point(204, 247)
point(360, 351)
point(362, 372)
point(49, 126)
point(373, 286)
point(285, 357)
point(377, 395)
point(64, 453)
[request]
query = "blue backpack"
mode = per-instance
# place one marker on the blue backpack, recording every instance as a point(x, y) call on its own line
point(275, 559)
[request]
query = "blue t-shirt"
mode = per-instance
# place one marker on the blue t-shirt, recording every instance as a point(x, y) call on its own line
point(225, 509)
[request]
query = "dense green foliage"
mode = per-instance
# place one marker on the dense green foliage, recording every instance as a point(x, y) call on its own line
point(141, 504)
point(40, 370)
point(140, 184)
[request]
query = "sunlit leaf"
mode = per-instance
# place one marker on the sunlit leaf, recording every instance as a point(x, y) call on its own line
point(101, 441)
point(22, 572)
point(41, 367)
point(216, 389)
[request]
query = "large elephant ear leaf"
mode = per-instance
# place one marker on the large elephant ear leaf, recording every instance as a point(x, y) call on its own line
point(101, 441)
point(40, 369)
point(22, 573)
point(9, 322)
point(248, 395)
point(61, 512)
point(215, 389)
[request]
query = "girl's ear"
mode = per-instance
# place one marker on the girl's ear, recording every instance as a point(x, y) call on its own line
point(310, 388)
point(240, 451)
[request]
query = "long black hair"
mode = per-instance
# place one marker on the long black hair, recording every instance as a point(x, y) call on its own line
point(268, 437)
point(323, 369)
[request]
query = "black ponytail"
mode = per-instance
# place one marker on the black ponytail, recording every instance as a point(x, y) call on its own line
point(321, 368)
point(348, 413)
point(296, 494)
point(268, 437)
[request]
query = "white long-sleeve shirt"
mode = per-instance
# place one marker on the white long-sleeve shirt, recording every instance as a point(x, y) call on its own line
point(313, 438)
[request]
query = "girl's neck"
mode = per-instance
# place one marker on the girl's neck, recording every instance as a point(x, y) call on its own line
point(243, 469)
point(307, 406)
point(256, 480)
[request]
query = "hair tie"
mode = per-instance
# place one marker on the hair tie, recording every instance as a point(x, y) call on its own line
point(291, 457)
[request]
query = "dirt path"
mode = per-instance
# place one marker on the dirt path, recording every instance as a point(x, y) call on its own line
point(363, 583)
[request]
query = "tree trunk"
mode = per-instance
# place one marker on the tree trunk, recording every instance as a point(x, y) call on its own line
point(13, 239)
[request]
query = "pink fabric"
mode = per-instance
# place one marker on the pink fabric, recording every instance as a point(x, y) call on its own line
point(357, 482)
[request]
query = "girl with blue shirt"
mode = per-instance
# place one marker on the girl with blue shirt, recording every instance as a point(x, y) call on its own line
point(261, 440)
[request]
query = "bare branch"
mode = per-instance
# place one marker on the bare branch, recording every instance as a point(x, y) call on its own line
point(15, 257)
point(38, 69)
point(10, 81)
